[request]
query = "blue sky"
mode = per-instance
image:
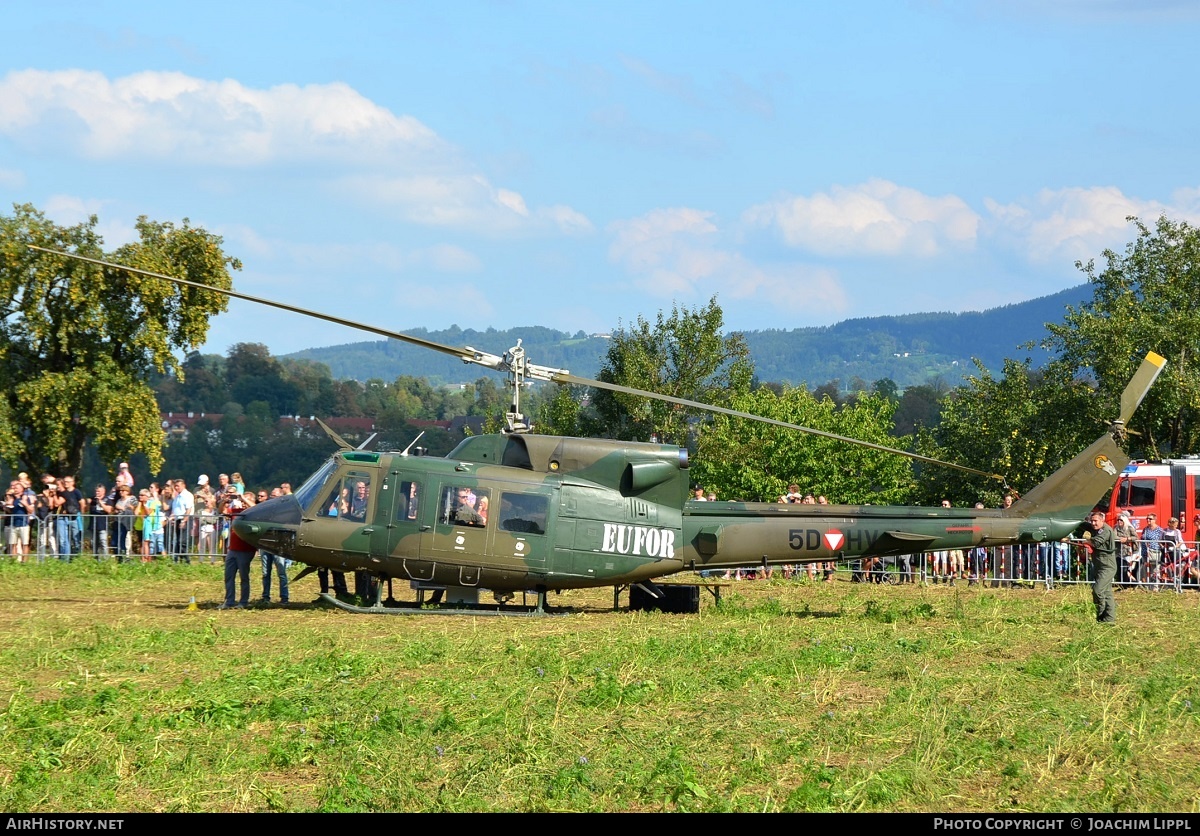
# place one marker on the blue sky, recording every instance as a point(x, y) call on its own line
point(574, 165)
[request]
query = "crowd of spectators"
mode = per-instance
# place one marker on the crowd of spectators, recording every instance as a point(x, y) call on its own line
point(129, 523)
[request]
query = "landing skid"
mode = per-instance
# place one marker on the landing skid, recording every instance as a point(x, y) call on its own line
point(408, 608)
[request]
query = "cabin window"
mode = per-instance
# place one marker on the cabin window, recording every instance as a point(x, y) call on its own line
point(349, 498)
point(464, 505)
point(406, 503)
point(523, 512)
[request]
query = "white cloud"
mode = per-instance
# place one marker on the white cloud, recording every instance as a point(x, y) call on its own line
point(173, 117)
point(675, 253)
point(1077, 224)
point(68, 210)
point(658, 238)
point(873, 218)
point(461, 200)
point(1187, 201)
point(447, 258)
point(10, 178)
point(676, 86)
point(342, 260)
point(566, 219)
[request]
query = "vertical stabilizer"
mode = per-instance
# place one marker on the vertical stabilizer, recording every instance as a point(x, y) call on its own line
point(1074, 489)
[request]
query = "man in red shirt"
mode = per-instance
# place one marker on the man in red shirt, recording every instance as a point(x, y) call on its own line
point(237, 557)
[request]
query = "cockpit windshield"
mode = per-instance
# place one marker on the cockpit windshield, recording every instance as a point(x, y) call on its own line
point(313, 485)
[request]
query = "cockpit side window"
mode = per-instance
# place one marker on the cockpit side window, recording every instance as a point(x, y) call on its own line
point(314, 484)
point(349, 498)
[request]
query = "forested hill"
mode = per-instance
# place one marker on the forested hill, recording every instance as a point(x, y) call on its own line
point(912, 349)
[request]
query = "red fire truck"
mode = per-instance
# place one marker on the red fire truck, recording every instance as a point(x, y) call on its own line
point(1170, 488)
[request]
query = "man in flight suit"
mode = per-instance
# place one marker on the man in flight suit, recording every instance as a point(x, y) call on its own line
point(1104, 567)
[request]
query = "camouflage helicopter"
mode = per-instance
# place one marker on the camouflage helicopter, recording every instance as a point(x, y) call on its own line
point(516, 511)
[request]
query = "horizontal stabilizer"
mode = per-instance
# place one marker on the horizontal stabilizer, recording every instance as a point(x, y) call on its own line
point(901, 542)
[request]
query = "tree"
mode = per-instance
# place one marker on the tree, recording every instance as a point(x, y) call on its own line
point(1145, 300)
point(559, 411)
point(684, 355)
point(254, 375)
point(1022, 426)
point(886, 387)
point(918, 407)
point(750, 460)
point(80, 341)
point(203, 384)
point(490, 400)
point(314, 383)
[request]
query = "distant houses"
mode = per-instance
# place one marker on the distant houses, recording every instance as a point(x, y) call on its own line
point(177, 425)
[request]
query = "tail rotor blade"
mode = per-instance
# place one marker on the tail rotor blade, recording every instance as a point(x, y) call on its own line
point(1142, 380)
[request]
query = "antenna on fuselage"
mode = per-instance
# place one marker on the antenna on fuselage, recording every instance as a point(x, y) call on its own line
point(411, 443)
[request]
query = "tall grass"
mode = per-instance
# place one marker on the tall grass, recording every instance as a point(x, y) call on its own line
point(788, 696)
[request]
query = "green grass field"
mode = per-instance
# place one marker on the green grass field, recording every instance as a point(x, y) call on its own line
point(789, 696)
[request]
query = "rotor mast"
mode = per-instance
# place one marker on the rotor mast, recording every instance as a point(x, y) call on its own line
point(519, 373)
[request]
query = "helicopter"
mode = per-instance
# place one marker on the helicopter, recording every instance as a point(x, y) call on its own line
point(515, 511)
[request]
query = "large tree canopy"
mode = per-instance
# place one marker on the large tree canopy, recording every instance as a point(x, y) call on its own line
point(79, 342)
point(684, 355)
point(1023, 425)
point(749, 460)
point(1145, 300)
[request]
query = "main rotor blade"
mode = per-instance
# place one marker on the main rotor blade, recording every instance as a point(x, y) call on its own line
point(566, 377)
point(499, 363)
point(1142, 380)
point(337, 439)
point(467, 355)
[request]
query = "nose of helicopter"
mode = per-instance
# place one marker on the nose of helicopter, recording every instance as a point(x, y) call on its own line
point(270, 525)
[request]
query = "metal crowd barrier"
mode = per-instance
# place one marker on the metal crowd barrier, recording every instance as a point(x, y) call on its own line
point(194, 538)
point(1152, 565)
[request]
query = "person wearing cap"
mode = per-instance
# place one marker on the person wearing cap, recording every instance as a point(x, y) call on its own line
point(124, 477)
point(1127, 540)
point(203, 490)
point(1103, 545)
